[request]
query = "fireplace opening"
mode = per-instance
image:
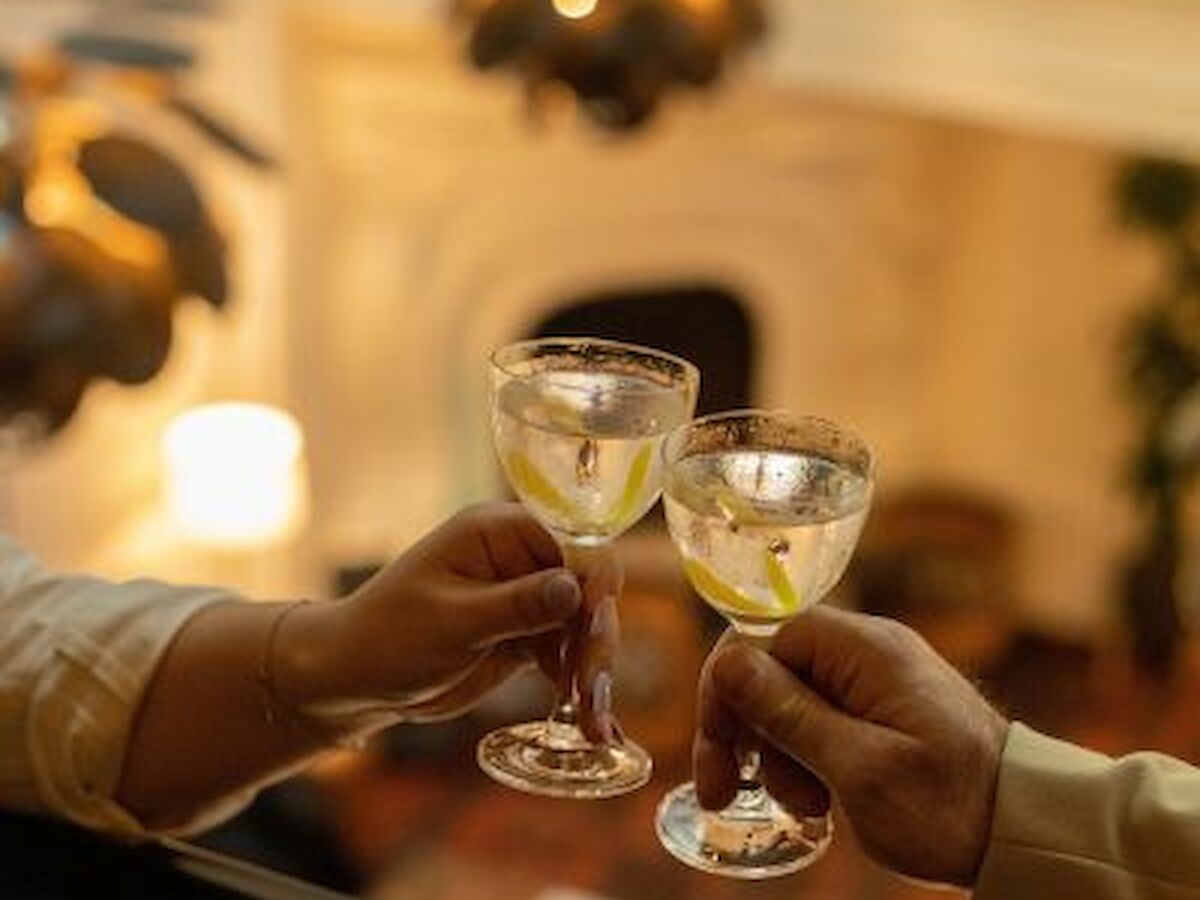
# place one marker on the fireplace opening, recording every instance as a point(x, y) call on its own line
point(705, 324)
point(708, 325)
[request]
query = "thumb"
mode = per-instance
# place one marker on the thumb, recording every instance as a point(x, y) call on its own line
point(788, 714)
point(523, 607)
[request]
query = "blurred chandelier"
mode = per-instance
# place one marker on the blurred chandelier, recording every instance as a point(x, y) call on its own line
point(618, 58)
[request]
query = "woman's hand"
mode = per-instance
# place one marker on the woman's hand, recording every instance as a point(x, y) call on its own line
point(482, 597)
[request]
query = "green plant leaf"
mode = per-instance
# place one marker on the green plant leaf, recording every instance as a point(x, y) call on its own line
point(1159, 195)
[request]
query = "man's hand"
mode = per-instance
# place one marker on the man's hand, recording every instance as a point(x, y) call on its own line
point(480, 598)
point(862, 705)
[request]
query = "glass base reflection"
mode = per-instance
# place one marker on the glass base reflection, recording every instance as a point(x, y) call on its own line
point(553, 759)
point(754, 838)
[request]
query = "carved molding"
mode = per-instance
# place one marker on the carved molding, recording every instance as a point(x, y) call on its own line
point(1124, 73)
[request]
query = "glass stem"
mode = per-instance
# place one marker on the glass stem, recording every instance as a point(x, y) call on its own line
point(751, 798)
point(579, 559)
point(566, 710)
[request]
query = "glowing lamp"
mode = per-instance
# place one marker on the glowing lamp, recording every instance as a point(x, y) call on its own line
point(235, 475)
point(575, 9)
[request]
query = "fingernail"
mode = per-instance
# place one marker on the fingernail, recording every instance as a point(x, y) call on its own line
point(602, 693)
point(602, 705)
point(605, 618)
point(562, 594)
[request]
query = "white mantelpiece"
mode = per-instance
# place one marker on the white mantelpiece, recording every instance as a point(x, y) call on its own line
point(1121, 72)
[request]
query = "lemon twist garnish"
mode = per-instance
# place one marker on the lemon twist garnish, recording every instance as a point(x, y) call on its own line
point(528, 480)
point(635, 481)
point(781, 584)
point(531, 482)
point(713, 589)
point(736, 510)
point(564, 417)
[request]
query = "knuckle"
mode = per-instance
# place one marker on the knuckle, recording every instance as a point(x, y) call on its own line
point(475, 513)
point(895, 638)
point(889, 629)
point(788, 719)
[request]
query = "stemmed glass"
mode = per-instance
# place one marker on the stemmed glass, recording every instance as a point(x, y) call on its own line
point(578, 425)
point(765, 509)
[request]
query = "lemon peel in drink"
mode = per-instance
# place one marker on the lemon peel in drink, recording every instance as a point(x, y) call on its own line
point(710, 586)
point(781, 584)
point(529, 481)
point(735, 509)
point(627, 506)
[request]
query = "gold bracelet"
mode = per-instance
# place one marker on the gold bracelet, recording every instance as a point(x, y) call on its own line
point(277, 711)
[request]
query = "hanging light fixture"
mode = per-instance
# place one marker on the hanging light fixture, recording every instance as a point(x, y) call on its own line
point(618, 58)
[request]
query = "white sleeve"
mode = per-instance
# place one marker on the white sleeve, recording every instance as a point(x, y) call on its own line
point(76, 655)
point(1070, 823)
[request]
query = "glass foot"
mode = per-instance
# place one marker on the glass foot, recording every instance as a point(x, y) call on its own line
point(754, 838)
point(554, 759)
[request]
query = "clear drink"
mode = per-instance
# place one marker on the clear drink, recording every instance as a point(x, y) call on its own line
point(582, 449)
point(579, 425)
point(764, 534)
point(765, 509)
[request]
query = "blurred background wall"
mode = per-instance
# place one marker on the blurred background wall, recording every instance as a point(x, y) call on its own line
point(933, 259)
point(910, 218)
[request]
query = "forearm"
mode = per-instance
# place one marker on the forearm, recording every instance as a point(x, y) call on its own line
point(203, 732)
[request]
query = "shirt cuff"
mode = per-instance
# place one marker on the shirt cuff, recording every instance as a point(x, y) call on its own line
point(1070, 822)
point(107, 641)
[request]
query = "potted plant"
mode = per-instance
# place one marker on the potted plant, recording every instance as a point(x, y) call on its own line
point(1161, 378)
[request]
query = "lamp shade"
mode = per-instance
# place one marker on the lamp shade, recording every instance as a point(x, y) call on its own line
point(235, 475)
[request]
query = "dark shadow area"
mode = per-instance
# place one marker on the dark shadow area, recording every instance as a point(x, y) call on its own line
point(705, 324)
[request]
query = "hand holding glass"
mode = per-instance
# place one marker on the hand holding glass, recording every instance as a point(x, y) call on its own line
point(765, 509)
point(579, 425)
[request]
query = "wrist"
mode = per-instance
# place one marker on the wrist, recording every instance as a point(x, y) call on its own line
point(317, 670)
point(994, 734)
point(307, 659)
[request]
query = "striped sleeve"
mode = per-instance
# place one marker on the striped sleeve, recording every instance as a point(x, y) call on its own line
point(76, 656)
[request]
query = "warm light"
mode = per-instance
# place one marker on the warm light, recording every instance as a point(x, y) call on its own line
point(235, 475)
point(55, 196)
point(60, 198)
point(575, 9)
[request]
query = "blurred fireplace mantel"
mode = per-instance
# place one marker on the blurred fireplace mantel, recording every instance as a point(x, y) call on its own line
point(1114, 71)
